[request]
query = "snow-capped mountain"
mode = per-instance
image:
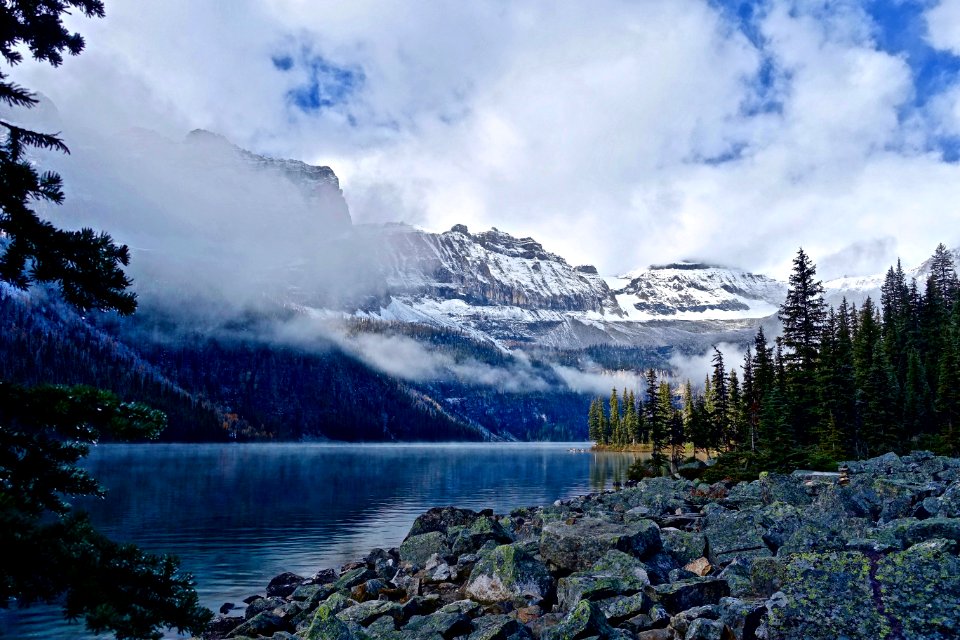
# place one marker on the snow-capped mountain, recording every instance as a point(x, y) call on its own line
point(511, 290)
point(856, 289)
point(696, 291)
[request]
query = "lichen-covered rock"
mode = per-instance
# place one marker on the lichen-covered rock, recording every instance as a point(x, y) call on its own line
point(703, 629)
point(366, 612)
point(585, 621)
point(920, 590)
point(262, 624)
point(260, 605)
point(615, 574)
point(683, 546)
point(827, 596)
point(499, 627)
point(327, 627)
point(417, 549)
point(508, 573)
point(442, 519)
point(731, 534)
point(742, 617)
point(682, 621)
point(775, 487)
point(621, 608)
point(483, 529)
point(443, 623)
point(689, 593)
point(575, 545)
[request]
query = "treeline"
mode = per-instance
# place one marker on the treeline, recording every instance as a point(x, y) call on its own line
point(838, 383)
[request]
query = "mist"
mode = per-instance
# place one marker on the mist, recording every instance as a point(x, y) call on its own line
point(696, 368)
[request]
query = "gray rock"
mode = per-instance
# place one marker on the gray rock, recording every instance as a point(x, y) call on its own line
point(508, 573)
point(586, 620)
point(693, 592)
point(262, 604)
point(701, 629)
point(262, 624)
point(616, 574)
point(498, 627)
point(284, 584)
point(578, 545)
point(366, 612)
point(731, 534)
point(417, 549)
point(683, 546)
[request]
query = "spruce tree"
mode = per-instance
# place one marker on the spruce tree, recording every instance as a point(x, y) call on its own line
point(720, 402)
point(51, 552)
point(802, 315)
point(615, 428)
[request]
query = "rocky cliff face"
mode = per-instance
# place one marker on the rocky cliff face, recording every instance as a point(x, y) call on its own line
point(491, 268)
point(318, 184)
point(698, 291)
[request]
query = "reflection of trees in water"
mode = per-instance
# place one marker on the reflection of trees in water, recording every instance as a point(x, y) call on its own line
point(607, 467)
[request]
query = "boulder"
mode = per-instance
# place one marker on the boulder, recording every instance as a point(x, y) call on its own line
point(586, 620)
point(366, 612)
point(683, 546)
point(577, 544)
point(616, 574)
point(826, 596)
point(920, 589)
point(483, 529)
point(417, 549)
point(732, 534)
point(692, 592)
point(441, 519)
point(284, 584)
point(508, 573)
point(498, 627)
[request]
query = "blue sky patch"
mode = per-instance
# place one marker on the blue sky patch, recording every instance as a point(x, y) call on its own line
point(325, 85)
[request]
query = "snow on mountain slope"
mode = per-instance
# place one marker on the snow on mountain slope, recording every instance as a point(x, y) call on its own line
point(695, 291)
point(485, 269)
point(856, 289)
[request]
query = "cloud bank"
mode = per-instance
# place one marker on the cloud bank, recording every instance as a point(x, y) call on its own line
point(617, 133)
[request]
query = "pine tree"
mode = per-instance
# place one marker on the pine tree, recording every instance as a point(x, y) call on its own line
point(943, 274)
point(52, 554)
point(736, 414)
point(661, 425)
point(720, 402)
point(802, 315)
point(630, 425)
point(595, 421)
point(615, 428)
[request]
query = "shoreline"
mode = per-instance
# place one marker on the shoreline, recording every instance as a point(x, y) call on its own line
point(664, 559)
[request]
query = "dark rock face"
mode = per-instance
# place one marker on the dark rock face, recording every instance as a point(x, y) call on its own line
point(798, 557)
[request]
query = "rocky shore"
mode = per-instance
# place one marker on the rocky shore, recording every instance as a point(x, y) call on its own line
point(869, 553)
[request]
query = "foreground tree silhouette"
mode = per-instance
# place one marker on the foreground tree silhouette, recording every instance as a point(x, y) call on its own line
point(50, 552)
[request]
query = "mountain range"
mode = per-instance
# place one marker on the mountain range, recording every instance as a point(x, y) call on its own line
point(267, 313)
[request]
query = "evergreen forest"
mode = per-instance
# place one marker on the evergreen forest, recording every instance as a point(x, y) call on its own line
point(838, 383)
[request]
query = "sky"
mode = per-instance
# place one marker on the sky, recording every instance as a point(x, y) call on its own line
point(618, 134)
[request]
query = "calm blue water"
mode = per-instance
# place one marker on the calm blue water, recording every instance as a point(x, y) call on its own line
point(239, 514)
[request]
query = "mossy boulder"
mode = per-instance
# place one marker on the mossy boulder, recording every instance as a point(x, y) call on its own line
point(417, 549)
point(574, 545)
point(615, 574)
point(509, 573)
point(920, 588)
point(827, 596)
point(585, 621)
point(692, 592)
point(683, 546)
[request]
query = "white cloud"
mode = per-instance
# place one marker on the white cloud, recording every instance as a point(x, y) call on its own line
point(943, 25)
point(585, 126)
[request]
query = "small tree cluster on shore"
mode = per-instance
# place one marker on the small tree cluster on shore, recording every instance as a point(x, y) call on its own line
point(838, 383)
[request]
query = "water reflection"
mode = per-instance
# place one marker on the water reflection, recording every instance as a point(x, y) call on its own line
point(239, 514)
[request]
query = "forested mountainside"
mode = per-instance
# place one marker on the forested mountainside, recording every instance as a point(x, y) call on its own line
point(230, 387)
point(42, 340)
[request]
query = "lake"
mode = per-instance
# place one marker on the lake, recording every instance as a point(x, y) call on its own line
point(238, 514)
